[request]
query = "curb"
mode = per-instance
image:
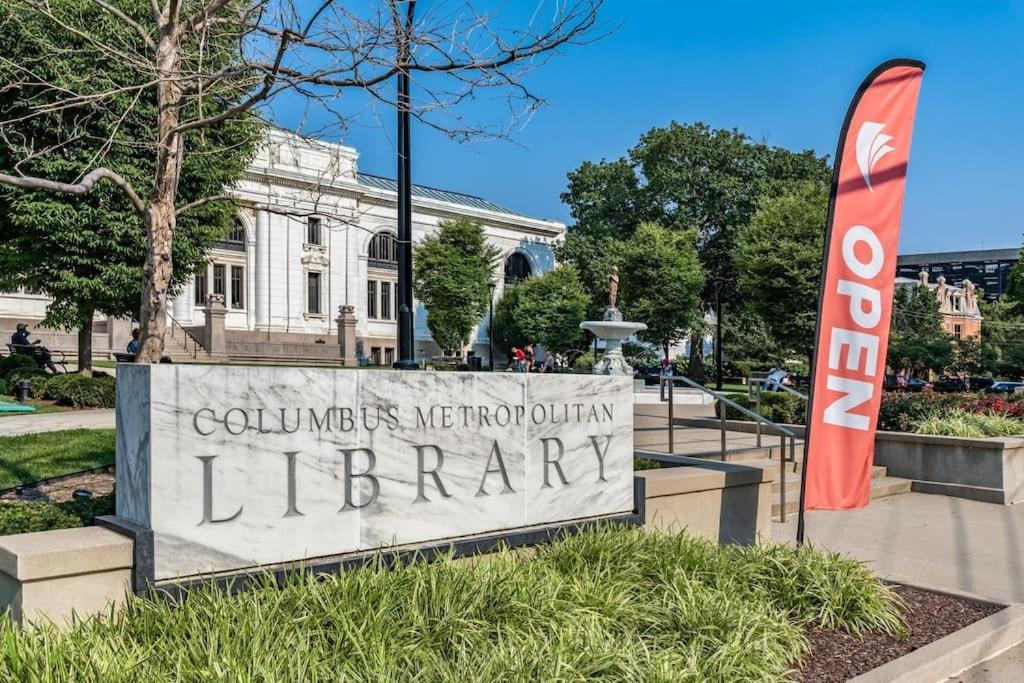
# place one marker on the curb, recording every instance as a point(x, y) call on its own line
point(955, 653)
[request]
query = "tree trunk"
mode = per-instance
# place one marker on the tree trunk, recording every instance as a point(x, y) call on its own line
point(161, 219)
point(695, 368)
point(85, 346)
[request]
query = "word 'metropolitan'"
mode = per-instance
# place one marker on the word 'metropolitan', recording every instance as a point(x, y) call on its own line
point(238, 420)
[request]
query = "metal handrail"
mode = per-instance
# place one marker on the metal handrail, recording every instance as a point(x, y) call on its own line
point(757, 418)
point(196, 344)
point(760, 384)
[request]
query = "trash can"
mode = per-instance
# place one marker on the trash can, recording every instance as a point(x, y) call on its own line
point(476, 363)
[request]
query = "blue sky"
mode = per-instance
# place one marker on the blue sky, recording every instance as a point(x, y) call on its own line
point(781, 71)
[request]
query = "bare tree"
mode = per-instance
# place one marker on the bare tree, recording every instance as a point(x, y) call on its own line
point(315, 50)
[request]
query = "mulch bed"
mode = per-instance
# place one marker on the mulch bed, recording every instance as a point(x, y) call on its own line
point(837, 656)
point(99, 481)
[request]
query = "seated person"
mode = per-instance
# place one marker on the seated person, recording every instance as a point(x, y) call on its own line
point(20, 338)
point(133, 345)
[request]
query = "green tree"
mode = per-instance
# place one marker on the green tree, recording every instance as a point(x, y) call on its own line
point(592, 256)
point(87, 252)
point(661, 280)
point(1002, 339)
point(687, 177)
point(779, 262)
point(917, 342)
point(551, 308)
point(452, 270)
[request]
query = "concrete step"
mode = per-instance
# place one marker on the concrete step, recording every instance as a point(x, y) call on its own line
point(881, 487)
point(793, 478)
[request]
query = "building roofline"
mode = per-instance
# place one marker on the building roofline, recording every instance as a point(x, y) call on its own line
point(1004, 254)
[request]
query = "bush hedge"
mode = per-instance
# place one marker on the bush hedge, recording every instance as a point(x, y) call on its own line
point(23, 518)
point(779, 407)
point(15, 361)
point(80, 391)
point(34, 374)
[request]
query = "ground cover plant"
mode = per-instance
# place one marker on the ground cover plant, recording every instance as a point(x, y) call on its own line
point(30, 457)
point(954, 414)
point(611, 604)
point(23, 518)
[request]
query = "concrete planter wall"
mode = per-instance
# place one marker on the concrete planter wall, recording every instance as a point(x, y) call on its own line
point(989, 470)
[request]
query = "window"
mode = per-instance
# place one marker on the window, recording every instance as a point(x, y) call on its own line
point(389, 356)
point(383, 251)
point(313, 293)
point(385, 300)
point(375, 355)
point(218, 278)
point(517, 268)
point(371, 299)
point(956, 331)
point(200, 287)
point(237, 287)
point(313, 235)
point(396, 300)
point(234, 240)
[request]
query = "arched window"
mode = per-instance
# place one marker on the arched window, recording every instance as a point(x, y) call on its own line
point(234, 240)
point(383, 251)
point(517, 268)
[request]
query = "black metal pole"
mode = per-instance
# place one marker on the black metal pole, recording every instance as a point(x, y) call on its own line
point(406, 354)
point(490, 327)
point(718, 336)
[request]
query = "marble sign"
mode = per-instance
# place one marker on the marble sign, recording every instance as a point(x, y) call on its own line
point(239, 466)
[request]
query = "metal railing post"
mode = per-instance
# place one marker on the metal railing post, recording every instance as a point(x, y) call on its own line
point(757, 409)
point(671, 421)
point(721, 412)
point(782, 480)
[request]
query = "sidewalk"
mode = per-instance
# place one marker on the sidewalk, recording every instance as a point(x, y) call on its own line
point(934, 541)
point(52, 422)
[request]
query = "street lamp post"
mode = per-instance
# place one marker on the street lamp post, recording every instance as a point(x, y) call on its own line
point(490, 324)
point(718, 335)
point(406, 355)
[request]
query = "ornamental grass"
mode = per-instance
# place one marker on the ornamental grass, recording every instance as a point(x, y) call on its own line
point(612, 604)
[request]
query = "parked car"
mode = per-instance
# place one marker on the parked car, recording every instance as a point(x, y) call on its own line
point(980, 383)
point(915, 384)
point(1004, 387)
point(951, 384)
point(894, 382)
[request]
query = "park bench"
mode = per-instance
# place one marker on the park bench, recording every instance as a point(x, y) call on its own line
point(36, 353)
point(121, 357)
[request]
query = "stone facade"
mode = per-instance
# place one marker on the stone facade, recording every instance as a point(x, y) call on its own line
point(315, 235)
point(961, 316)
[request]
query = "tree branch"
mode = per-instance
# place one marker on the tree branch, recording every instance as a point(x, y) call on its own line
point(129, 21)
point(84, 186)
point(205, 200)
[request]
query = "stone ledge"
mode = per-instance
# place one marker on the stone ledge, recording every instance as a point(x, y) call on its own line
point(63, 552)
point(695, 474)
point(954, 654)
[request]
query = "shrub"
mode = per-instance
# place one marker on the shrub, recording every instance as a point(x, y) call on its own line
point(779, 407)
point(80, 391)
point(959, 422)
point(23, 518)
point(16, 361)
point(37, 377)
point(610, 604)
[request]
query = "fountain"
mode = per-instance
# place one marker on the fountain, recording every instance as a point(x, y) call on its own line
point(613, 330)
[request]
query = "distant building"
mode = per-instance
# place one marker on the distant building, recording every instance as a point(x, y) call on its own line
point(989, 269)
point(958, 305)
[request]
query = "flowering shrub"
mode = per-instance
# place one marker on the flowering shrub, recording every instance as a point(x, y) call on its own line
point(904, 412)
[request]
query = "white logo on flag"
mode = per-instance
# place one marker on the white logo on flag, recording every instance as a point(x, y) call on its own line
point(872, 145)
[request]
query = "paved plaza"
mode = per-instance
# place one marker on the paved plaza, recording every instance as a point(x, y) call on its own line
point(52, 422)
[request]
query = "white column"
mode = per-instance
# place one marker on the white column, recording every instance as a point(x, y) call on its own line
point(250, 284)
point(261, 295)
point(182, 305)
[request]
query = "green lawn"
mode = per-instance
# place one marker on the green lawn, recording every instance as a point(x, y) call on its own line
point(31, 457)
point(40, 406)
point(612, 604)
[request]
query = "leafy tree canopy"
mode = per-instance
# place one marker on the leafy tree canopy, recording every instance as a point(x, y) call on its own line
point(546, 309)
point(452, 270)
point(87, 252)
point(917, 342)
point(661, 280)
point(779, 262)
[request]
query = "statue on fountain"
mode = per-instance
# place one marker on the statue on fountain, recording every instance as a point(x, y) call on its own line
point(613, 330)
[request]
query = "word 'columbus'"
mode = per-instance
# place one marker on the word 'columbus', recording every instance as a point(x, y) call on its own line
point(207, 421)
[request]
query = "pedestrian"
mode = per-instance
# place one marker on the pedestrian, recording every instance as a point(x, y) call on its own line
point(43, 357)
point(133, 345)
point(666, 367)
point(520, 359)
point(528, 354)
point(549, 362)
